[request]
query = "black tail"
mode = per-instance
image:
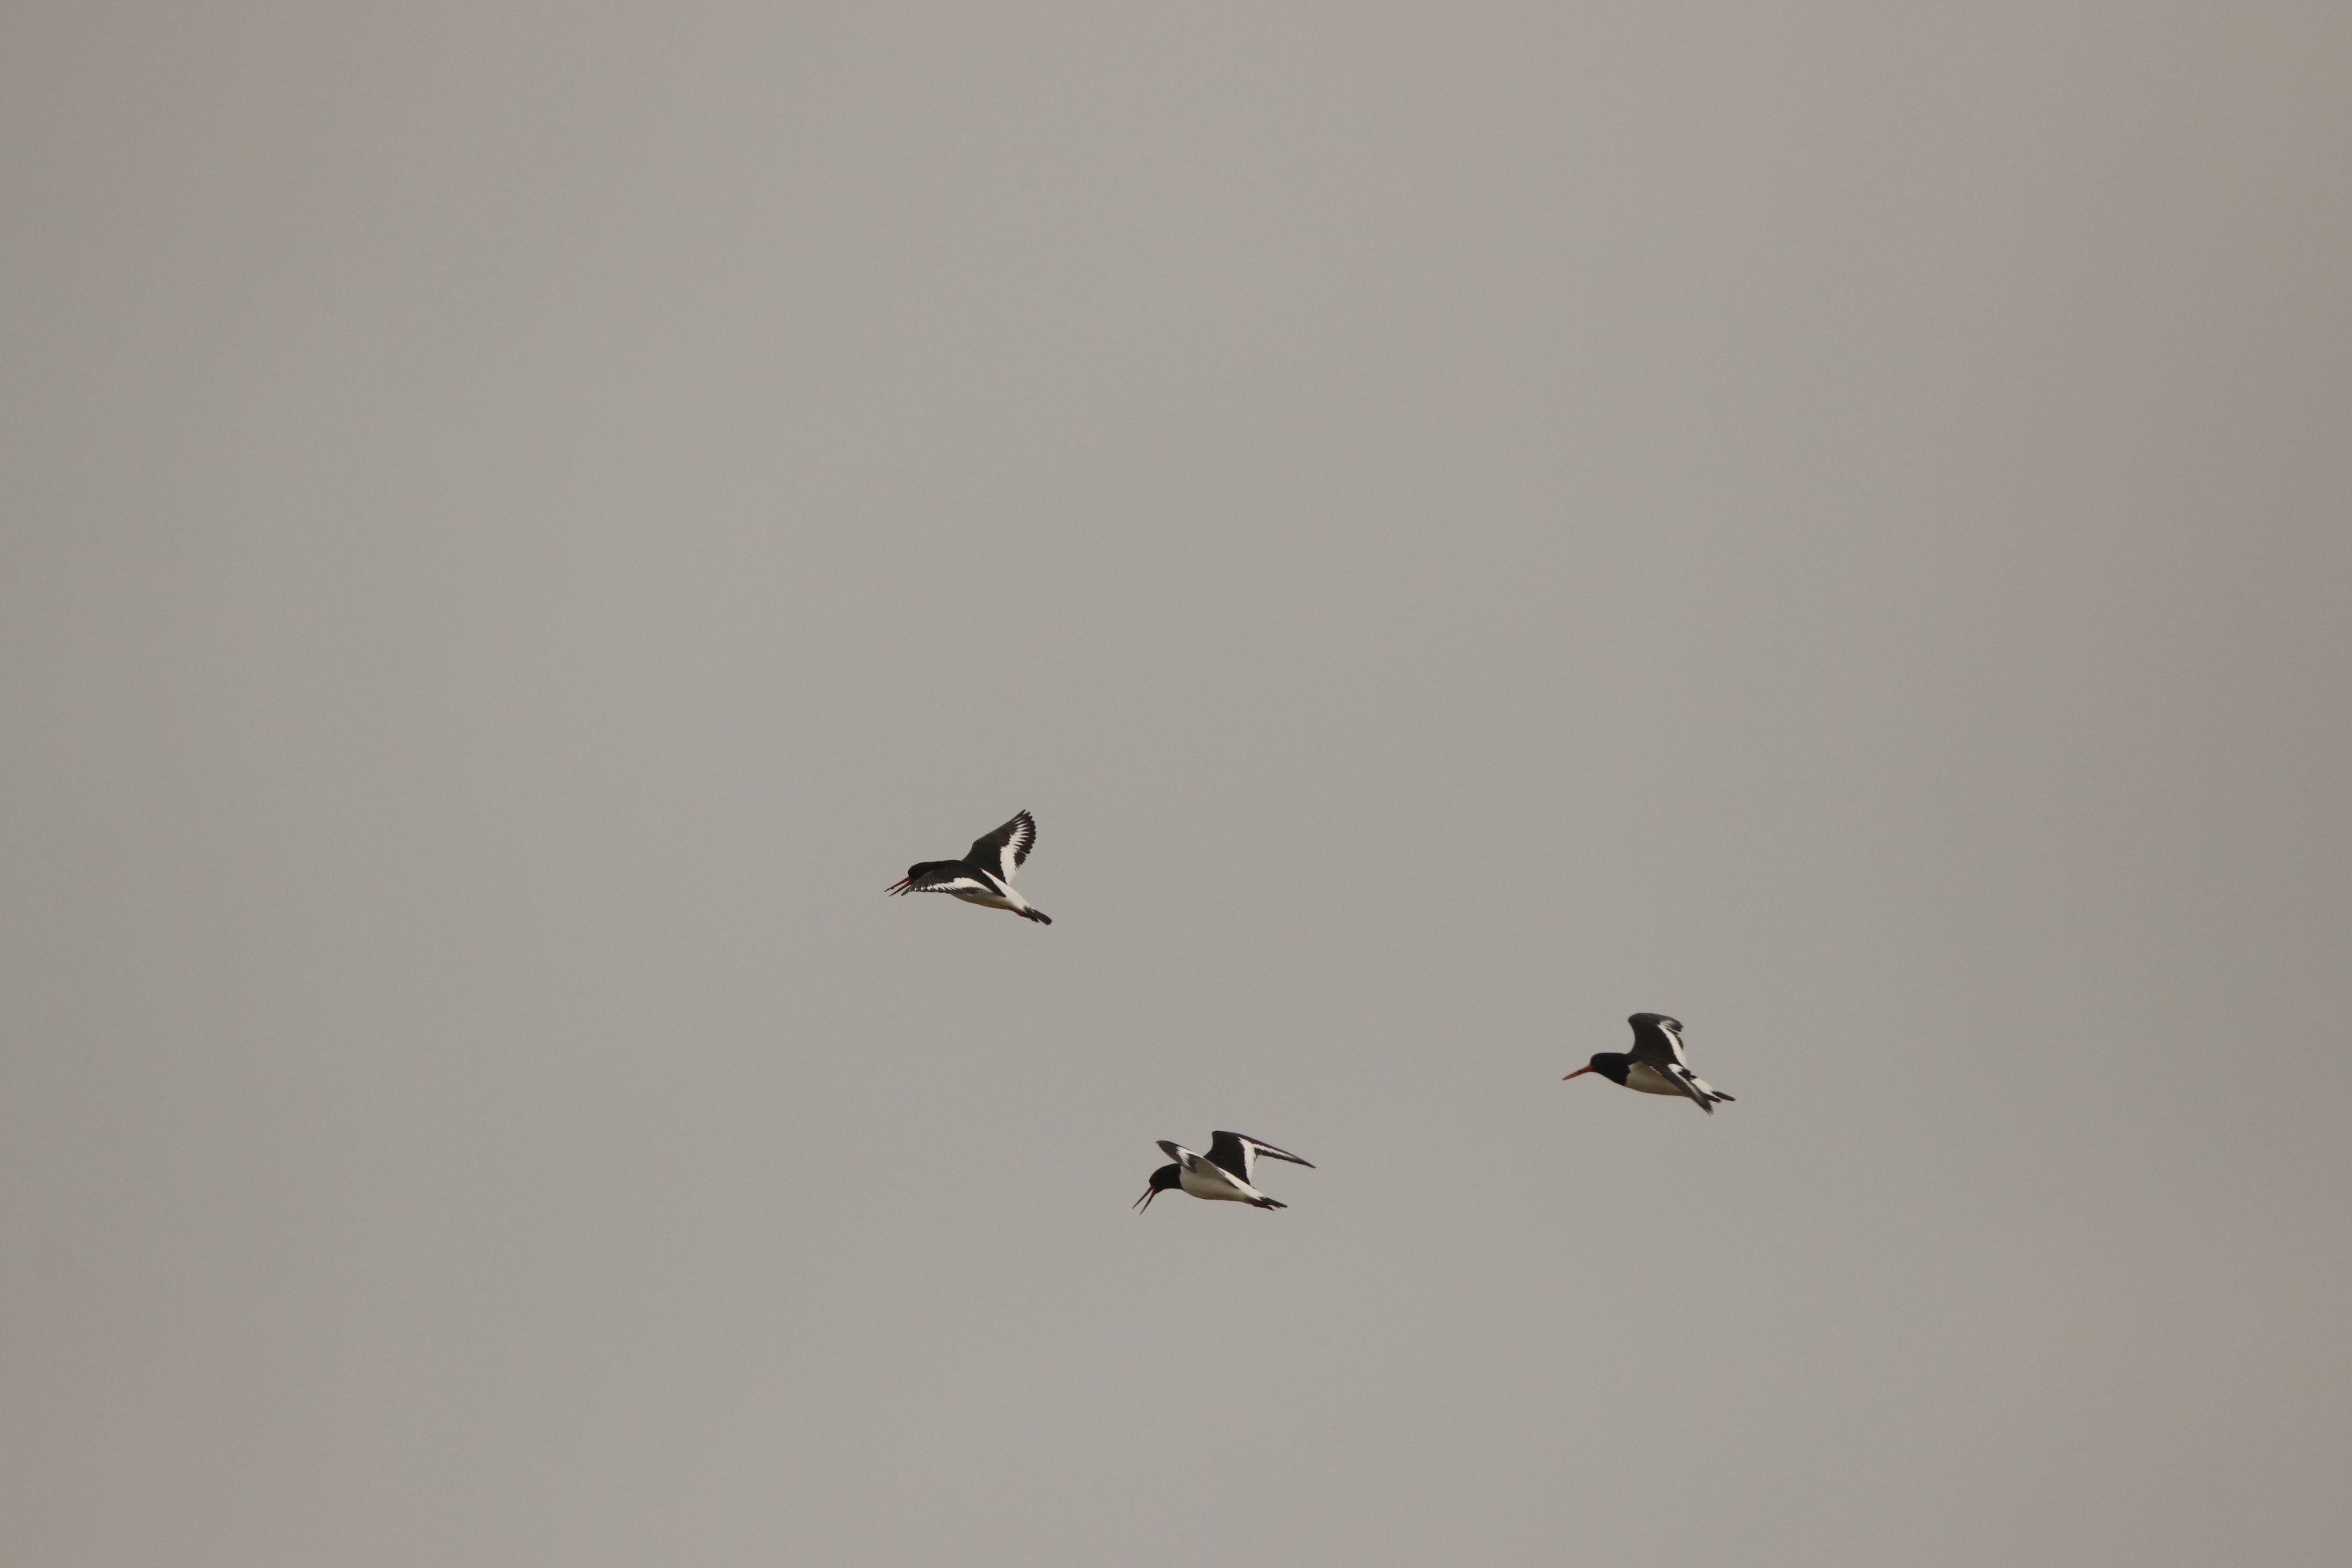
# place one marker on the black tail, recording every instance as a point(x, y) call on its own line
point(1040, 916)
point(1272, 1204)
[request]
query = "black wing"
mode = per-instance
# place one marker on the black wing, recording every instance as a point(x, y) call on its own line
point(1657, 1040)
point(1002, 851)
point(1236, 1151)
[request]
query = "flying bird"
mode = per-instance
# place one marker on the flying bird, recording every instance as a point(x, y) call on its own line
point(985, 877)
point(1225, 1174)
point(1654, 1065)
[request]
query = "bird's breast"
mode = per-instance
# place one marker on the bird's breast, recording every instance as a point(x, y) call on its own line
point(1211, 1187)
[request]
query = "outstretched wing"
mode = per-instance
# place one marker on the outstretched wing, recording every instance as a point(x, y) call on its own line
point(1657, 1040)
point(1002, 851)
point(1238, 1152)
point(1658, 1044)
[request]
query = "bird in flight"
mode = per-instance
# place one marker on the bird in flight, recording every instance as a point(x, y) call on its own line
point(983, 876)
point(1225, 1174)
point(1654, 1065)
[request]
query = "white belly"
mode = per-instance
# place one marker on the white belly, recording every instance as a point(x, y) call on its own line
point(1007, 900)
point(1650, 1080)
point(1211, 1187)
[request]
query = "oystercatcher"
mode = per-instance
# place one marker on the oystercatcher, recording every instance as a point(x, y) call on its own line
point(985, 877)
point(1654, 1065)
point(1225, 1174)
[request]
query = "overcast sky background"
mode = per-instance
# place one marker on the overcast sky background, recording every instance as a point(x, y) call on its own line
point(1463, 522)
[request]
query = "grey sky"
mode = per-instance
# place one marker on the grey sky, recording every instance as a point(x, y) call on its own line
point(1462, 523)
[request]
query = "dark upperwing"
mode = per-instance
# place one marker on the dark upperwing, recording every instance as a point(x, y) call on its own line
point(1002, 850)
point(1232, 1151)
point(1654, 1042)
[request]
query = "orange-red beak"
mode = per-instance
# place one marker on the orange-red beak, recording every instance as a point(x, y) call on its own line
point(899, 886)
point(1578, 1072)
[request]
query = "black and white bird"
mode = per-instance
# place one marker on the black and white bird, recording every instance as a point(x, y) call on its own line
point(1654, 1065)
point(1225, 1174)
point(985, 877)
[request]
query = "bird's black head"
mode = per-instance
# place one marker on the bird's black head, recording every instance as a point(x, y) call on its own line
point(920, 869)
point(1611, 1065)
point(1167, 1179)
